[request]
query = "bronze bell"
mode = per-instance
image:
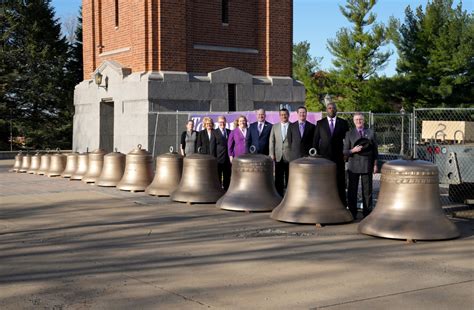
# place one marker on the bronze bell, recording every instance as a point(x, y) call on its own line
point(57, 164)
point(82, 165)
point(112, 172)
point(168, 171)
point(199, 183)
point(251, 187)
point(44, 164)
point(138, 171)
point(311, 196)
point(408, 205)
point(71, 165)
point(17, 163)
point(35, 163)
point(25, 163)
point(96, 162)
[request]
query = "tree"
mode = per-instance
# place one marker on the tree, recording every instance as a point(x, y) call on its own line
point(36, 83)
point(436, 55)
point(358, 53)
point(304, 67)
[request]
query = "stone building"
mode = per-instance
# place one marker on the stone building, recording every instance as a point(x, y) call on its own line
point(147, 56)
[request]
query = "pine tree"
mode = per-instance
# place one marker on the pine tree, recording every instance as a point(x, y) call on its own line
point(34, 73)
point(358, 54)
point(436, 55)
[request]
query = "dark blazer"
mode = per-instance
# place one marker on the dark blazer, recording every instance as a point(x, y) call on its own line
point(300, 146)
point(203, 142)
point(218, 146)
point(359, 163)
point(261, 141)
point(328, 146)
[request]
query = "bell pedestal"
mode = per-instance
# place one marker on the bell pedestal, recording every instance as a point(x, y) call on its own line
point(408, 205)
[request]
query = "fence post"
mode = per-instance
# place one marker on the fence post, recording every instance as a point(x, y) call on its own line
point(154, 136)
point(415, 153)
point(177, 128)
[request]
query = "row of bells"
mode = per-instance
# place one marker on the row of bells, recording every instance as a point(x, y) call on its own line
point(408, 206)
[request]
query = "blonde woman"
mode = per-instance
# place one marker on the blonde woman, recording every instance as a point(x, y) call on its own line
point(205, 136)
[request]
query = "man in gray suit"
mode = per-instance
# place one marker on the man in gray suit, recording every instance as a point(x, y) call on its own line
point(360, 146)
point(280, 151)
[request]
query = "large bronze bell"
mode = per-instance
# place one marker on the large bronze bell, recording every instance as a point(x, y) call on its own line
point(71, 165)
point(82, 165)
point(408, 205)
point(138, 171)
point(199, 182)
point(25, 163)
point(35, 163)
point(251, 187)
point(57, 164)
point(112, 172)
point(96, 162)
point(168, 171)
point(17, 163)
point(44, 164)
point(311, 196)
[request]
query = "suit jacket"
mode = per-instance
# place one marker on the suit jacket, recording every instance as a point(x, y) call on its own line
point(278, 147)
point(237, 143)
point(359, 163)
point(218, 146)
point(203, 142)
point(328, 146)
point(260, 141)
point(300, 145)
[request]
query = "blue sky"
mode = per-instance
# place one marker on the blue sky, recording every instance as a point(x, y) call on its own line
point(314, 21)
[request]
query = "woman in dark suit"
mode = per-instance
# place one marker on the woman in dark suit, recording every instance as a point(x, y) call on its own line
point(205, 135)
point(189, 139)
point(237, 143)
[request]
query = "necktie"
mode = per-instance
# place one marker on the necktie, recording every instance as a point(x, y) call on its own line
point(361, 133)
point(260, 127)
point(283, 131)
point(301, 129)
point(224, 133)
point(331, 126)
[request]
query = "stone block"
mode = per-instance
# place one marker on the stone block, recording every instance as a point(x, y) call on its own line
point(230, 76)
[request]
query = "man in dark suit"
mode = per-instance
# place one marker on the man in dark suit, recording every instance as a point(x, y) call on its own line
point(218, 148)
point(300, 135)
point(260, 133)
point(360, 146)
point(328, 141)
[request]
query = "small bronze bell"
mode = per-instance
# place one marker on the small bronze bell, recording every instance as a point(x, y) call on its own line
point(251, 187)
point(112, 172)
point(18, 161)
point(71, 165)
point(25, 163)
point(408, 205)
point(199, 182)
point(311, 197)
point(45, 163)
point(82, 165)
point(168, 171)
point(138, 172)
point(35, 163)
point(96, 162)
point(57, 164)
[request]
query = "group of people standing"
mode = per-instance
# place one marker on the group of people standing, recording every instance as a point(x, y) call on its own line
point(285, 141)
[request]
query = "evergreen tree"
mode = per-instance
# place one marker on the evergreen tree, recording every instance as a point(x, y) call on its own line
point(358, 54)
point(436, 55)
point(34, 73)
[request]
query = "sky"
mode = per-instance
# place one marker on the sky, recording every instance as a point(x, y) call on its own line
point(314, 21)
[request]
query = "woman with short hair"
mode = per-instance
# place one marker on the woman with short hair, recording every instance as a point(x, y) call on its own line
point(237, 143)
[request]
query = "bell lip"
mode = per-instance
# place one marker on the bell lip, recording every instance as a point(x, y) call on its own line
point(159, 192)
point(192, 197)
point(313, 222)
point(233, 202)
point(107, 183)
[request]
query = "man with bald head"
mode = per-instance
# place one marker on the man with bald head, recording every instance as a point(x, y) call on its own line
point(260, 133)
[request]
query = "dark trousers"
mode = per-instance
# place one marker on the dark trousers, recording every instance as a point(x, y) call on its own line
point(223, 171)
point(282, 169)
point(366, 192)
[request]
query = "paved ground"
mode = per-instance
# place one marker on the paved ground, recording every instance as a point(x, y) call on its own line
point(68, 245)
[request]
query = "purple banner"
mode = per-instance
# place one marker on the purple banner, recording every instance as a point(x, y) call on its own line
point(272, 117)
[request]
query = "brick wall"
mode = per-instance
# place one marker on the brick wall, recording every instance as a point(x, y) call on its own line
point(161, 34)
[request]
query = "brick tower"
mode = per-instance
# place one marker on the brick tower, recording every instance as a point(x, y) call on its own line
point(178, 55)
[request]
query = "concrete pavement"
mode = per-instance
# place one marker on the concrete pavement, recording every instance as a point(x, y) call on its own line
point(68, 245)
